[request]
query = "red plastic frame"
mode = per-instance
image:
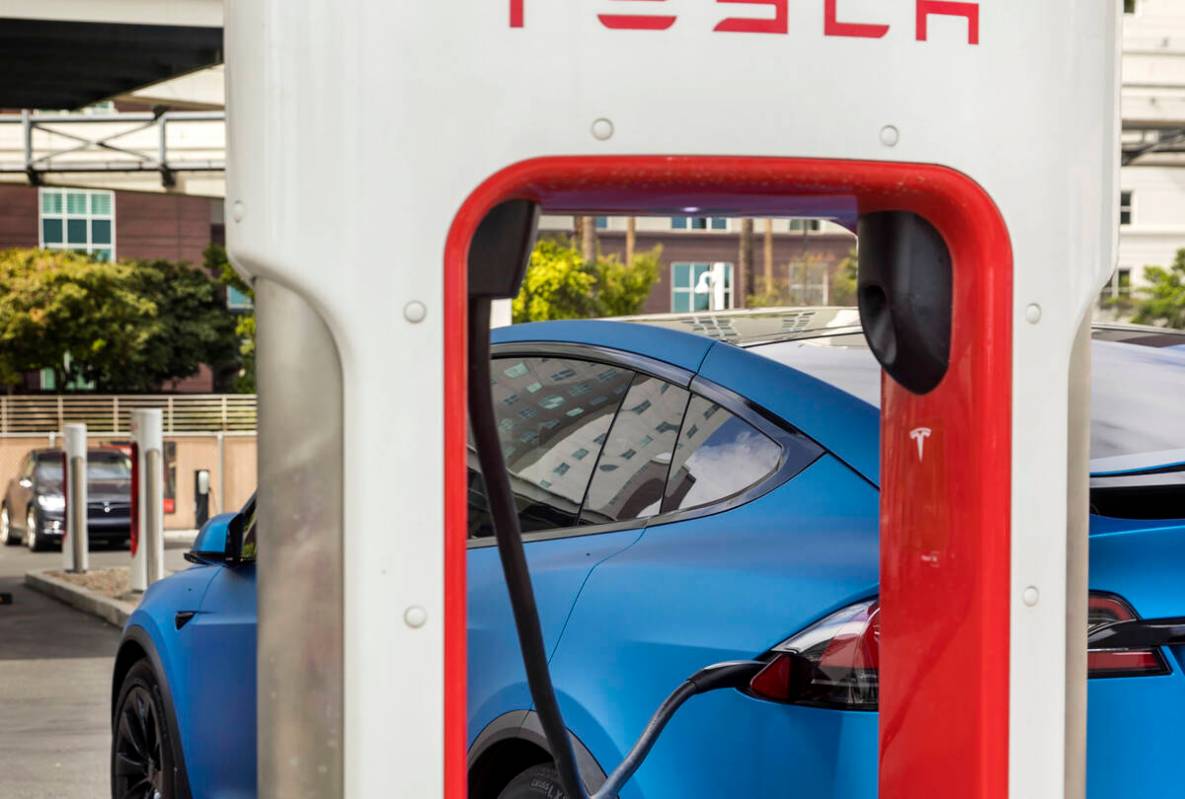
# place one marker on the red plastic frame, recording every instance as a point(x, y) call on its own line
point(945, 520)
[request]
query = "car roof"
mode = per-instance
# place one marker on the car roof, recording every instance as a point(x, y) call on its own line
point(812, 367)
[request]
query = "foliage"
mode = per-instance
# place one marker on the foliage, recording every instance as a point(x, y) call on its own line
point(118, 326)
point(191, 327)
point(1162, 300)
point(79, 317)
point(215, 261)
point(842, 289)
point(843, 281)
point(560, 284)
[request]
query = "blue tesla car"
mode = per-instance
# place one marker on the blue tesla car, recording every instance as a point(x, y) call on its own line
point(697, 490)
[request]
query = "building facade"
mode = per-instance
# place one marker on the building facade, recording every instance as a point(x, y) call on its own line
point(111, 225)
point(1152, 201)
point(699, 260)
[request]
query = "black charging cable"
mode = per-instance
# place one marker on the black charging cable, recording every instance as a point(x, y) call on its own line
point(497, 261)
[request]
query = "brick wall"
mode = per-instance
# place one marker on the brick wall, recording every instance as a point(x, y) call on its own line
point(709, 247)
point(167, 226)
point(147, 226)
point(18, 216)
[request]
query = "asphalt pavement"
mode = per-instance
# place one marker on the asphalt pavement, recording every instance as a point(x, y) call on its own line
point(55, 684)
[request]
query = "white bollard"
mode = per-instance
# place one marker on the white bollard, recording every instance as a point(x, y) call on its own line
point(148, 551)
point(75, 542)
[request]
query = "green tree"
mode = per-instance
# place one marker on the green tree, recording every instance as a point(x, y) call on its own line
point(82, 318)
point(192, 327)
point(561, 284)
point(216, 261)
point(843, 285)
point(1162, 300)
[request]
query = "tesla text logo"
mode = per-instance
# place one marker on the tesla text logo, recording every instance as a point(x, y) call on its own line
point(920, 434)
point(779, 22)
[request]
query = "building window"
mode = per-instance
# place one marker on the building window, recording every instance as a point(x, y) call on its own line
point(701, 287)
point(1125, 208)
point(1119, 287)
point(699, 223)
point(78, 220)
point(806, 225)
point(602, 223)
point(1129, 6)
point(238, 300)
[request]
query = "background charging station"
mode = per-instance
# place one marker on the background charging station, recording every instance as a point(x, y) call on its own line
point(911, 105)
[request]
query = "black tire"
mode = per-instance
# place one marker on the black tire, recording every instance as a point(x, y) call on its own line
point(12, 538)
point(537, 782)
point(144, 762)
point(33, 536)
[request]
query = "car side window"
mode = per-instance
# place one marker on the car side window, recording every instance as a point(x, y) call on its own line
point(718, 456)
point(553, 417)
point(632, 471)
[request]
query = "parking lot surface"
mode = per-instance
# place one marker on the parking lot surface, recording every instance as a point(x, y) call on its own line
point(55, 672)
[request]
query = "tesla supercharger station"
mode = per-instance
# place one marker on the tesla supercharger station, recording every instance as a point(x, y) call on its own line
point(365, 121)
point(147, 545)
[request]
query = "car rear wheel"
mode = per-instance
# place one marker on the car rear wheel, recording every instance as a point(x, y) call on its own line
point(537, 782)
point(7, 534)
point(143, 762)
point(33, 538)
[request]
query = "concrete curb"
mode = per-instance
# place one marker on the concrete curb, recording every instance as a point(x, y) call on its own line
point(112, 611)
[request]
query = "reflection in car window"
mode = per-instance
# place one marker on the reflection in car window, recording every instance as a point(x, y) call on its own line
point(49, 468)
point(99, 466)
point(630, 476)
point(553, 415)
point(108, 466)
point(718, 456)
point(249, 548)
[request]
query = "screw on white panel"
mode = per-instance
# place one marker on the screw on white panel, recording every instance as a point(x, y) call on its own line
point(1031, 596)
point(238, 210)
point(890, 136)
point(415, 311)
point(1033, 313)
point(602, 129)
point(415, 617)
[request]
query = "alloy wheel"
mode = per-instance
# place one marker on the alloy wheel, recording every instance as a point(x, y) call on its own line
point(139, 748)
point(5, 525)
point(31, 530)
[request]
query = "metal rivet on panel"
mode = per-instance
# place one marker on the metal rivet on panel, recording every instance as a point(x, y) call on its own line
point(602, 129)
point(1033, 313)
point(1031, 596)
point(415, 617)
point(415, 311)
point(890, 136)
point(238, 210)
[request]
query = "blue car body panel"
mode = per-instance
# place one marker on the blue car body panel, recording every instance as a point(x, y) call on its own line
point(627, 614)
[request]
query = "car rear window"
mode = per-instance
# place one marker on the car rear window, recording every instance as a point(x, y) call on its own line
point(1137, 382)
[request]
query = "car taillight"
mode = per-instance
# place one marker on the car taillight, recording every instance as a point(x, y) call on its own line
point(1107, 609)
point(832, 663)
point(835, 662)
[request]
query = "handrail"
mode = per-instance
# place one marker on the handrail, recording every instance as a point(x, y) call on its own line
point(31, 414)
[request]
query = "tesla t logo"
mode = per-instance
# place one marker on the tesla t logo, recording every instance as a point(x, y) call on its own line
point(920, 434)
point(775, 18)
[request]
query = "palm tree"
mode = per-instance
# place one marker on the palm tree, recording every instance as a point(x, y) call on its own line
point(769, 257)
point(744, 261)
point(631, 239)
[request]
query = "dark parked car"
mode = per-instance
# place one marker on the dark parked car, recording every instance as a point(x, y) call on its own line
point(34, 504)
